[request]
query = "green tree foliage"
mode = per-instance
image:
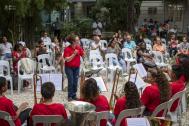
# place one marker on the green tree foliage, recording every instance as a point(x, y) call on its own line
point(27, 13)
point(122, 14)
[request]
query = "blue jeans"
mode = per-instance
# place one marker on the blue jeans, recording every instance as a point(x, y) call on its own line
point(72, 74)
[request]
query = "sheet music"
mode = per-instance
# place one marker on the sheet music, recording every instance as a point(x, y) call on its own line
point(137, 122)
point(141, 70)
point(45, 78)
point(137, 80)
point(55, 78)
point(100, 84)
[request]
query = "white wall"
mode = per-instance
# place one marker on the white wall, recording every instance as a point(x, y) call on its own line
point(144, 11)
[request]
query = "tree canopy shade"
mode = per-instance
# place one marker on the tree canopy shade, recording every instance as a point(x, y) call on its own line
point(25, 12)
point(123, 14)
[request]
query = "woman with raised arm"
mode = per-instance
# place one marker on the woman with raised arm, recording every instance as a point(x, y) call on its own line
point(72, 55)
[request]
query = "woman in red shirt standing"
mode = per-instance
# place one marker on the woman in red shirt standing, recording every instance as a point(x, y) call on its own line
point(18, 115)
point(90, 93)
point(72, 56)
point(129, 101)
point(157, 93)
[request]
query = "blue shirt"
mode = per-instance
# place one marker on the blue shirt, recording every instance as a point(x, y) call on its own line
point(130, 45)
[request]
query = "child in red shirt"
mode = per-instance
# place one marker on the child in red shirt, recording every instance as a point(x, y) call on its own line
point(157, 93)
point(90, 93)
point(129, 101)
point(7, 105)
point(47, 107)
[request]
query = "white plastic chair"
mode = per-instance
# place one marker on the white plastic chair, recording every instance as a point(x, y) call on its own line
point(96, 62)
point(25, 76)
point(136, 112)
point(149, 47)
point(158, 58)
point(175, 115)
point(47, 120)
point(86, 43)
point(104, 44)
point(5, 64)
point(162, 107)
point(42, 63)
point(112, 64)
point(6, 116)
point(128, 57)
point(102, 115)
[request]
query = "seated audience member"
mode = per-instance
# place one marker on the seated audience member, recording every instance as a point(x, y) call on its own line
point(184, 46)
point(47, 106)
point(179, 81)
point(129, 101)
point(139, 39)
point(129, 43)
point(90, 93)
point(17, 54)
point(41, 49)
point(113, 47)
point(173, 46)
point(28, 52)
point(18, 115)
point(158, 46)
point(157, 93)
point(6, 48)
point(144, 57)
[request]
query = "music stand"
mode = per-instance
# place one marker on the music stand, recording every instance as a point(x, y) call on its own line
point(92, 72)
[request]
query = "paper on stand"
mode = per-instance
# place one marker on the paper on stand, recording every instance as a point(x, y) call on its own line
point(100, 84)
point(55, 78)
point(137, 122)
point(141, 70)
point(137, 80)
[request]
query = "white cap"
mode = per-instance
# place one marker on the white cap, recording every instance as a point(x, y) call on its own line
point(22, 43)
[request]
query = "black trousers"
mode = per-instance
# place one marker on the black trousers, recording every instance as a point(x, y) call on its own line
point(24, 115)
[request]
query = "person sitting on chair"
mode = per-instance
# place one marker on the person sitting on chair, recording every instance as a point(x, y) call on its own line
point(157, 93)
point(130, 100)
point(46, 105)
point(90, 93)
point(18, 115)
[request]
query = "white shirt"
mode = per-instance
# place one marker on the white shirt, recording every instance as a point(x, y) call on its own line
point(6, 47)
point(95, 45)
point(46, 40)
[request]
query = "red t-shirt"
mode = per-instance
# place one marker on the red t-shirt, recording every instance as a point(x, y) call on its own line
point(75, 62)
point(51, 109)
point(151, 97)
point(177, 86)
point(120, 106)
point(16, 56)
point(101, 104)
point(8, 106)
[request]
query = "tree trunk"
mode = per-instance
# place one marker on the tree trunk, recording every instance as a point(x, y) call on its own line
point(130, 16)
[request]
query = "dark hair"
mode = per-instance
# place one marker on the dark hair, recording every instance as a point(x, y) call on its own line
point(16, 47)
point(3, 82)
point(132, 95)
point(177, 70)
point(47, 90)
point(71, 38)
point(183, 60)
point(90, 90)
point(40, 41)
point(163, 85)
